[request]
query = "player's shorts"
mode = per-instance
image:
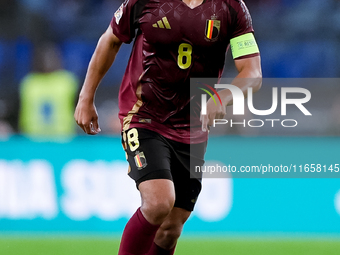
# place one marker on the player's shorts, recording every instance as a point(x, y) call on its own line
point(152, 156)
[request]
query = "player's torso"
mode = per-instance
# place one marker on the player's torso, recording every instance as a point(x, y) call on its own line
point(179, 43)
point(172, 21)
point(185, 41)
point(173, 44)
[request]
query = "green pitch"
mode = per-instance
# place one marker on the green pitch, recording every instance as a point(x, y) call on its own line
point(193, 246)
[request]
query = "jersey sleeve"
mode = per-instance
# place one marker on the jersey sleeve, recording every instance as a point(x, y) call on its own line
point(242, 42)
point(123, 22)
point(242, 20)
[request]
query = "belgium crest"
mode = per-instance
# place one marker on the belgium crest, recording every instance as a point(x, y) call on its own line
point(212, 28)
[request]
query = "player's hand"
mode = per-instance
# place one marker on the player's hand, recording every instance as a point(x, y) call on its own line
point(214, 111)
point(86, 116)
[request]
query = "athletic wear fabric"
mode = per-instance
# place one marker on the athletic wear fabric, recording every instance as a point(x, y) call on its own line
point(152, 156)
point(173, 43)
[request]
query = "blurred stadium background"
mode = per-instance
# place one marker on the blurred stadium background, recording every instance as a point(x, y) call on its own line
point(62, 192)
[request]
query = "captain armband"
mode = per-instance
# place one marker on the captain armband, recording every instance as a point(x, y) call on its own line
point(243, 45)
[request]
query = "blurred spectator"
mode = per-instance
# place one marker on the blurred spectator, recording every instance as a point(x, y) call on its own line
point(47, 96)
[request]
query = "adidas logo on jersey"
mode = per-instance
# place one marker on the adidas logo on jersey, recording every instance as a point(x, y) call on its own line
point(162, 23)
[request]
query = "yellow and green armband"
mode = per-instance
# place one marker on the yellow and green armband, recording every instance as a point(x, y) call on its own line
point(243, 45)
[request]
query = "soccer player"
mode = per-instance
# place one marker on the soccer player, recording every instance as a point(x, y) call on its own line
point(174, 40)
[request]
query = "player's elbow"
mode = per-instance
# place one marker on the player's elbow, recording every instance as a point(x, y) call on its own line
point(256, 77)
point(252, 69)
point(257, 81)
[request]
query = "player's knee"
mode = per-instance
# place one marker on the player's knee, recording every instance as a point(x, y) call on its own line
point(169, 235)
point(173, 233)
point(157, 210)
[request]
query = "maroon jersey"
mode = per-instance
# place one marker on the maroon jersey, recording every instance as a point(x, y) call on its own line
point(173, 43)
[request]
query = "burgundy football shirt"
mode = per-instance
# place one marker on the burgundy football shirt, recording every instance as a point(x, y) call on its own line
point(173, 43)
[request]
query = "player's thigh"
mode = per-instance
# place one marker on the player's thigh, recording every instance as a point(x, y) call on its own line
point(149, 158)
point(158, 196)
point(148, 155)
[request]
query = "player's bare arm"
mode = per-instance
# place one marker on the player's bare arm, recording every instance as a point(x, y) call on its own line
point(86, 114)
point(249, 75)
